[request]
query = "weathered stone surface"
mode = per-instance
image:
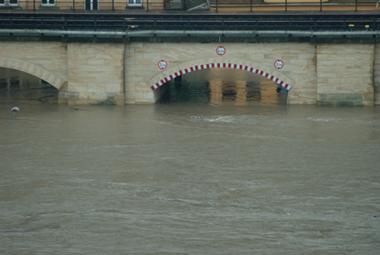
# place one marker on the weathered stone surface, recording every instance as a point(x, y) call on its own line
point(341, 99)
point(241, 93)
point(216, 92)
point(45, 60)
point(124, 73)
point(377, 74)
point(95, 73)
point(345, 74)
point(298, 71)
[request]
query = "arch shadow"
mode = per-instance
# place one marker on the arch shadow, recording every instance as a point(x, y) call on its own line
point(194, 68)
point(35, 70)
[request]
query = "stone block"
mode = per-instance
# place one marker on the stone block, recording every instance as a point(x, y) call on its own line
point(299, 70)
point(343, 99)
point(345, 73)
point(96, 72)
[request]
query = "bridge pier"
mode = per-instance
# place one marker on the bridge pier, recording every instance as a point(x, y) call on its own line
point(241, 93)
point(376, 75)
point(95, 73)
point(345, 74)
point(216, 92)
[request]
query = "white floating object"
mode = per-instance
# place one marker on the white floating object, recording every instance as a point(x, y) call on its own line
point(15, 109)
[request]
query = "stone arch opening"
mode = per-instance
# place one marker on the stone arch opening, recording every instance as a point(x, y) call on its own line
point(35, 70)
point(221, 88)
point(16, 85)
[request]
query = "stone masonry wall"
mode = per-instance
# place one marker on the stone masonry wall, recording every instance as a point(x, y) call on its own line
point(117, 73)
point(45, 60)
point(95, 73)
point(345, 74)
point(377, 74)
point(142, 71)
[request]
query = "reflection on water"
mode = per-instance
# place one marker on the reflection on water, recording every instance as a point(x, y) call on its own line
point(189, 178)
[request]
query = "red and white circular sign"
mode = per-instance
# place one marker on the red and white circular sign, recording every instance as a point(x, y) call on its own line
point(221, 50)
point(279, 64)
point(162, 64)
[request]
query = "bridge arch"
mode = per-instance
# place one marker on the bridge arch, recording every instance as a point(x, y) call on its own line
point(199, 67)
point(35, 70)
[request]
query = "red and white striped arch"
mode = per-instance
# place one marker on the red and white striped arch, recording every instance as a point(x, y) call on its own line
point(247, 68)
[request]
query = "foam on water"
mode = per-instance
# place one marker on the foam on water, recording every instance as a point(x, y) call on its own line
point(213, 119)
point(326, 120)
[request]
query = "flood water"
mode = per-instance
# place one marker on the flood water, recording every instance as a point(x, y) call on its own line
point(189, 179)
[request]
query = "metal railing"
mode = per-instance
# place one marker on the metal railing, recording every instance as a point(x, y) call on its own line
point(234, 6)
point(293, 5)
point(82, 5)
point(162, 22)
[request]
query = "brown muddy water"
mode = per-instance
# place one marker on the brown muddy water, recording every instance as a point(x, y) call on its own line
point(189, 179)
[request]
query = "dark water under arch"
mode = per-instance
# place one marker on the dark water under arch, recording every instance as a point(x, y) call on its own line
point(195, 87)
point(17, 86)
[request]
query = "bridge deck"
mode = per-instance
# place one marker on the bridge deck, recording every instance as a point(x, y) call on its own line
point(176, 21)
point(184, 27)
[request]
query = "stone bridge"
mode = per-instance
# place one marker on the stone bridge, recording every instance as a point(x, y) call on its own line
point(132, 72)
